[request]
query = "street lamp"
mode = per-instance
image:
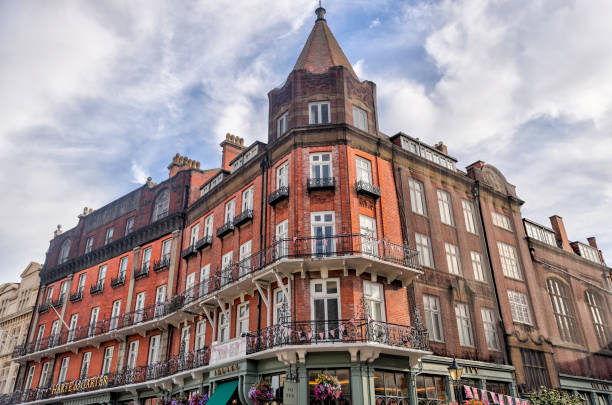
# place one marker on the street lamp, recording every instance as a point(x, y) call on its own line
point(455, 371)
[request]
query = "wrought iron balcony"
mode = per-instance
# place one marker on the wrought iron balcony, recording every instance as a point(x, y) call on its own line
point(126, 376)
point(367, 188)
point(320, 183)
point(338, 331)
point(77, 296)
point(278, 195)
point(44, 307)
point(225, 229)
point(118, 281)
point(162, 264)
point(58, 302)
point(189, 251)
point(244, 217)
point(97, 288)
point(143, 271)
point(204, 242)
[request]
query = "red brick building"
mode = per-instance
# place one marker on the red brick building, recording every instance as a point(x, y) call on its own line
point(331, 248)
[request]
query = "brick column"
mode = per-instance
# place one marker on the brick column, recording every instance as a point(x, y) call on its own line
point(65, 303)
point(174, 254)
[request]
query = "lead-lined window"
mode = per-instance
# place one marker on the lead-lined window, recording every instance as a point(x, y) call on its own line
point(490, 328)
point(319, 112)
point(519, 307)
point(501, 221)
point(477, 266)
point(282, 124)
point(360, 118)
point(563, 309)
point(452, 258)
point(509, 261)
point(469, 215)
point(423, 245)
point(446, 210)
point(417, 197)
point(464, 324)
point(534, 365)
point(433, 317)
point(600, 322)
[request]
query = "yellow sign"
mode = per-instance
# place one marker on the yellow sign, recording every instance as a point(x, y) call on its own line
point(84, 384)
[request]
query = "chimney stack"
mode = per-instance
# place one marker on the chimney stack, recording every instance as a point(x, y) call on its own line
point(557, 225)
point(232, 146)
point(441, 147)
point(180, 163)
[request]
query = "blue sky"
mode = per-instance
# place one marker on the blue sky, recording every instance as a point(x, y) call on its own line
point(96, 96)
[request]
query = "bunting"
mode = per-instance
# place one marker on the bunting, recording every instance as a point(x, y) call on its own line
point(483, 396)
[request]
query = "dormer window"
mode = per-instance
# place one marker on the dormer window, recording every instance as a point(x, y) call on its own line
point(162, 202)
point(64, 251)
point(360, 118)
point(319, 112)
point(282, 124)
point(109, 235)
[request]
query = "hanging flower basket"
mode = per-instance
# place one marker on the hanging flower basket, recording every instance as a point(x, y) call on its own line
point(261, 393)
point(198, 399)
point(327, 387)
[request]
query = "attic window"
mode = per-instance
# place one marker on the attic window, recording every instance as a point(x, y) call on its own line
point(360, 118)
point(162, 202)
point(282, 124)
point(319, 112)
point(64, 251)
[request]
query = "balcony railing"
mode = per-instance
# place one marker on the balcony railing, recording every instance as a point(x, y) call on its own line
point(189, 251)
point(162, 264)
point(320, 183)
point(58, 302)
point(143, 271)
point(44, 307)
point(278, 195)
point(204, 242)
point(137, 375)
point(338, 331)
point(77, 296)
point(333, 246)
point(225, 229)
point(244, 217)
point(97, 288)
point(367, 188)
point(118, 281)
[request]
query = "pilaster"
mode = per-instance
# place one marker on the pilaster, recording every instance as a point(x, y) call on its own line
point(174, 254)
point(130, 295)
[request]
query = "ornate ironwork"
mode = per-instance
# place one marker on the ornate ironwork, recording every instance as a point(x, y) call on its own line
point(162, 263)
point(225, 229)
point(118, 281)
point(367, 188)
point(143, 271)
point(278, 195)
point(318, 183)
point(204, 242)
point(244, 217)
point(189, 251)
point(97, 288)
point(77, 296)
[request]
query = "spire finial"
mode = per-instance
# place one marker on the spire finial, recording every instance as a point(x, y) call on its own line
point(320, 12)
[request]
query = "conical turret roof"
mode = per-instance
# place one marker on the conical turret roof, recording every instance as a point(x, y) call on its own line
point(321, 50)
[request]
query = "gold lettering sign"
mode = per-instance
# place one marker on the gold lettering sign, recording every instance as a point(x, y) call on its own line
point(80, 385)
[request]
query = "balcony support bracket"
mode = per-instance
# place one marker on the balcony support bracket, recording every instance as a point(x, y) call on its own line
point(369, 355)
point(260, 286)
point(362, 269)
point(353, 352)
point(222, 306)
point(282, 286)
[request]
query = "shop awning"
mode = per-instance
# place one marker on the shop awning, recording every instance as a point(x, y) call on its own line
point(223, 393)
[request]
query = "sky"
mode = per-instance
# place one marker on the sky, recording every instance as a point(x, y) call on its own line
point(95, 96)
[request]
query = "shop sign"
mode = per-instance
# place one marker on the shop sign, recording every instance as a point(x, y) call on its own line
point(600, 386)
point(232, 350)
point(225, 370)
point(477, 394)
point(290, 393)
point(84, 384)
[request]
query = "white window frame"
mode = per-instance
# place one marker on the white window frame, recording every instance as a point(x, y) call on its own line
point(200, 341)
point(469, 215)
point(317, 161)
point(490, 328)
point(129, 225)
point(139, 306)
point(477, 266)
point(242, 320)
point(123, 264)
point(89, 244)
point(160, 299)
point(74, 319)
point(519, 307)
point(501, 220)
point(247, 198)
point(417, 197)
point(279, 299)
point(244, 259)
point(189, 286)
point(108, 236)
point(85, 362)
point(93, 320)
point(223, 334)
point(315, 112)
point(209, 224)
point(325, 296)
point(132, 358)
point(360, 118)
point(28, 383)
point(433, 317)
point(372, 300)
point(146, 258)
point(204, 279)
point(81, 285)
point(63, 370)
point(369, 235)
point(423, 245)
point(44, 374)
point(364, 169)
point(230, 211)
point(154, 346)
point(282, 175)
point(115, 314)
point(166, 249)
point(464, 324)
point(195, 232)
point(108, 359)
point(101, 276)
point(49, 295)
point(453, 258)
point(281, 236)
point(41, 332)
point(282, 124)
point(325, 244)
point(508, 255)
point(446, 208)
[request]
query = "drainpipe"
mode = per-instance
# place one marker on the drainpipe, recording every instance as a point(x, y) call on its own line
point(476, 195)
point(262, 226)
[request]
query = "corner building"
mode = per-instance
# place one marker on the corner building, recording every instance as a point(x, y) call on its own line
point(331, 248)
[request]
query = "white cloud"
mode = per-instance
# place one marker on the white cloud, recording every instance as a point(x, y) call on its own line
point(375, 23)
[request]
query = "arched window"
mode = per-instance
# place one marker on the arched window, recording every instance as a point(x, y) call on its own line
point(160, 208)
point(600, 321)
point(563, 310)
point(64, 251)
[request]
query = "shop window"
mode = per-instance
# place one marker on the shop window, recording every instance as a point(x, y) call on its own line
point(534, 367)
point(498, 387)
point(277, 383)
point(344, 377)
point(431, 389)
point(391, 388)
